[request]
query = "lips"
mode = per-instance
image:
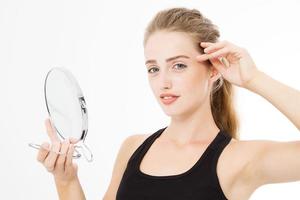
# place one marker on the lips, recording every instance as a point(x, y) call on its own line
point(168, 99)
point(168, 95)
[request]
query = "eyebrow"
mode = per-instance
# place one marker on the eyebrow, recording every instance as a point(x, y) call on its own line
point(167, 60)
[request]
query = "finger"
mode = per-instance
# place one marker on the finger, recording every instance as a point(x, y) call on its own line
point(43, 152)
point(214, 47)
point(206, 44)
point(221, 43)
point(69, 159)
point(52, 157)
point(50, 131)
point(218, 65)
point(73, 140)
point(218, 54)
point(225, 62)
point(60, 163)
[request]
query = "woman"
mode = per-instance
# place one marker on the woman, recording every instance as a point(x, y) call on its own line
point(199, 155)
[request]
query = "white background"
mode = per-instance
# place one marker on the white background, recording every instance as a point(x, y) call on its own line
point(101, 43)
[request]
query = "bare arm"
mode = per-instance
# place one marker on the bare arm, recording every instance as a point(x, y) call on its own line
point(266, 161)
point(72, 190)
point(275, 162)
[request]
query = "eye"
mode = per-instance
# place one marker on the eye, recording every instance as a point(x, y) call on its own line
point(182, 66)
point(149, 70)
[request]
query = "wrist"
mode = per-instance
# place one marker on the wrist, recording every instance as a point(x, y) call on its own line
point(251, 84)
point(66, 183)
point(69, 190)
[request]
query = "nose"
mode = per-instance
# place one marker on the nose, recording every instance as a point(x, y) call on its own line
point(166, 82)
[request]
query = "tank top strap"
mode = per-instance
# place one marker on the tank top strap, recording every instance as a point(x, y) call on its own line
point(218, 148)
point(221, 141)
point(142, 149)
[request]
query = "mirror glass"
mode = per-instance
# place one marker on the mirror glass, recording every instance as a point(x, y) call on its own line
point(67, 109)
point(63, 104)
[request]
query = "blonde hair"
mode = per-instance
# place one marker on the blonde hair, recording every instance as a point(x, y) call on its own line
point(201, 29)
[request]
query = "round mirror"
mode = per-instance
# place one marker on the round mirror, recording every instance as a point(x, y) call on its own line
point(65, 104)
point(67, 109)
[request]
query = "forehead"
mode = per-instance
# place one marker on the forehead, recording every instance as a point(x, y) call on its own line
point(167, 44)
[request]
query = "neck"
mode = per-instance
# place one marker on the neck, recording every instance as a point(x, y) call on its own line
point(192, 127)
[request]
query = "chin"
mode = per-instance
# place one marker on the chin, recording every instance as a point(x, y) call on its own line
point(176, 110)
point(172, 111)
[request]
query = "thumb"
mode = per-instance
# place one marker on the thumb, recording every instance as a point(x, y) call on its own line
point(73, 140)
point(75, 166)
point(218, 65)
point(51, 131)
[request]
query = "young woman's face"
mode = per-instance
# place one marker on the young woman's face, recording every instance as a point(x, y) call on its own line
point(183, 76)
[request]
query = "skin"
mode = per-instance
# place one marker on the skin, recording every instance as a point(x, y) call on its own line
point(191, 117)
point(242, 167)
point(62, 167)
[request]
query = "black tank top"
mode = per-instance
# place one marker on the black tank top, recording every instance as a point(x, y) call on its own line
point(199, 182)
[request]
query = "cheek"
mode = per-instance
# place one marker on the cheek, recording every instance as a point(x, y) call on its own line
point(154, 85)
point(197, 90)
point(196, 81)
point(197, 87)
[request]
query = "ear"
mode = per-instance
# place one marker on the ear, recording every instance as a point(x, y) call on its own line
point(214, 74)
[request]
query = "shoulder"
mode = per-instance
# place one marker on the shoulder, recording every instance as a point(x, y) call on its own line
point(132, 142)
point(240, 154)
point(248, 151)
point(128, 146)
point(240, 164)
point(235, 168)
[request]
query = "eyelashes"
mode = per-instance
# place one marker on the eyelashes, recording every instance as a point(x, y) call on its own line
point(183, 66)
point(180, 64)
